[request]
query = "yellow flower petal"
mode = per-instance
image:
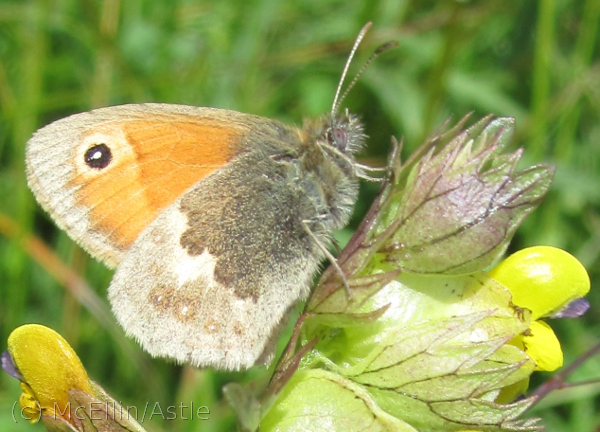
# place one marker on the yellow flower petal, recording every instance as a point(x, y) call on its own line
point(48, 365)
point(542, 279)
point(30, 407)
point(542, 345)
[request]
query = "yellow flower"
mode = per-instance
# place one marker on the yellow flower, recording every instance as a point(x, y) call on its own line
point(545, 280)
point(49, 368)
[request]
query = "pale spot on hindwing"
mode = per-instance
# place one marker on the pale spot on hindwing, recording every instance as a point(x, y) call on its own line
point(181, 302)
point(239, 329)
point(211, 326)
point(189, 268)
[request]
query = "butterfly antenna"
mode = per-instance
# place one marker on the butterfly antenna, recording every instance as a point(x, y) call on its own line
point(357, 42)
point(382, 48)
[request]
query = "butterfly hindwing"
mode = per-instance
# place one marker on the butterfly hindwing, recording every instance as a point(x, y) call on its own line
point(209, 281)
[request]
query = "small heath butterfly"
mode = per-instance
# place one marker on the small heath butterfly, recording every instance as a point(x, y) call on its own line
point(215, 220)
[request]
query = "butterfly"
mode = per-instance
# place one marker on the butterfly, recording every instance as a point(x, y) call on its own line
point(215, 220)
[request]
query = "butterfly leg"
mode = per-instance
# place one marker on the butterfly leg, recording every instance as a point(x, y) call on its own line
point(329, 256)
point(366, 177)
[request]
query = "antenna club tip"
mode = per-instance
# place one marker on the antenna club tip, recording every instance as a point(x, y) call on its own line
point(365, 29)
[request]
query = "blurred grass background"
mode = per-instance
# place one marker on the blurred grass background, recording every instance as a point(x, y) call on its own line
point(536, 61)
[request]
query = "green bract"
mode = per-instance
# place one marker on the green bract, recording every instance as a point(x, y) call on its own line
point(437, 356)
point(458, 203)
point(317, 400)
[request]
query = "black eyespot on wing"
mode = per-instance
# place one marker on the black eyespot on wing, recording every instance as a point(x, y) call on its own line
point(98, 156)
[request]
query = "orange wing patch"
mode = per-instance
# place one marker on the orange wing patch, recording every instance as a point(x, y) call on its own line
point(154, 162)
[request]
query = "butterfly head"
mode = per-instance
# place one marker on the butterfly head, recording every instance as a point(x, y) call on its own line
point(345, 133)
point(339, 137)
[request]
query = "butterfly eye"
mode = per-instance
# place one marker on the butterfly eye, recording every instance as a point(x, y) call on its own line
point(339, 138)
point(98, 156)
